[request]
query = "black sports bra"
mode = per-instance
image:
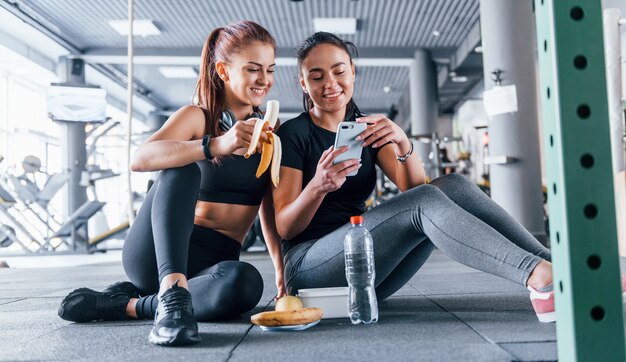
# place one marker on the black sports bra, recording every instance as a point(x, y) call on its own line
point(233, 181)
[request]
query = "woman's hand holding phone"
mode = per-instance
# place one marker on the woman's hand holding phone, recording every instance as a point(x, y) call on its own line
point(346, 137)
point(380, 131)
point(328, 176)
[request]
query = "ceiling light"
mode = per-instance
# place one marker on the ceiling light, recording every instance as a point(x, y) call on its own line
point(386, 89)
point(335, 25)
point(142, 28)
point(459, 79)
point(436, 33)
point(478, 49)
point(178, 72)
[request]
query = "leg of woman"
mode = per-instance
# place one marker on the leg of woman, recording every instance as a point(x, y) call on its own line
point(410, 217)
point(469, 197)
point(173, 210)
point(171, 215)
point(318, 264)
point(221, 286)
point(405, 270)
point(225, 290)
point(139, 256)
point(220, 292)
point(157, 243)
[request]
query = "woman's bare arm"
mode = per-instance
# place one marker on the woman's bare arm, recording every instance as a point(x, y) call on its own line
point(272, 240)
point(177, 143)
point(404, 176)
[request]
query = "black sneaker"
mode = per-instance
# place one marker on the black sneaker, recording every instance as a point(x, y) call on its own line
point(126, 288)
point(174, 323)
point(87, 305)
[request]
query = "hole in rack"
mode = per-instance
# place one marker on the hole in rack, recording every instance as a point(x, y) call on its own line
point(580, 62)
point(591, 211)
point(583, 111)
point(597, 313)
point(587, 161)
point(594, 262)
point(577, 13)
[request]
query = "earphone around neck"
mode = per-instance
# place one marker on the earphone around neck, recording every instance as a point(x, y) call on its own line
point(228, 119)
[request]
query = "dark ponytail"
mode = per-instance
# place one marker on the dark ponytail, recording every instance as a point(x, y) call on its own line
point(319, 38)
point(210, 87)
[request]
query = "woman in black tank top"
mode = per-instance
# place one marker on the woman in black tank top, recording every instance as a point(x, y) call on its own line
point(315, 198)
point(186, 272)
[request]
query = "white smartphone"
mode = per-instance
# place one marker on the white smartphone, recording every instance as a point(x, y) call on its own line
point(346, 134)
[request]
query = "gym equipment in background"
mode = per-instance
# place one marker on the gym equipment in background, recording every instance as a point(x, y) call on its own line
point(7, 236)
point(436, 160)
point(74, 233)
point(96, 173)
point(34, 199)
point(20, 196)
point(7, 232)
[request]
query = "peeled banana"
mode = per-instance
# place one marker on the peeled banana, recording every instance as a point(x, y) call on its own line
point(266, 155)
point(287, 318)
point(270, 118)
point(272, 151)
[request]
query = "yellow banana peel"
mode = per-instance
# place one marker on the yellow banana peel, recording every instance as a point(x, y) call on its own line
point(272, 150)
point(276, 157)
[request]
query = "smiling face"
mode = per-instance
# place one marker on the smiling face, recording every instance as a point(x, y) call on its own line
point(327, 75)
point(248, 76)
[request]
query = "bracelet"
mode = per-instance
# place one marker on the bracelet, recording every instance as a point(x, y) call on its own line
point(205, 147)
point(403, 158)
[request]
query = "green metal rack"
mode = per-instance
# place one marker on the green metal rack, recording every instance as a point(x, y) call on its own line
point(583, 231)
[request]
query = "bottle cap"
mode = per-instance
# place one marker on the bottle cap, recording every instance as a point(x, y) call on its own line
point(356, 220)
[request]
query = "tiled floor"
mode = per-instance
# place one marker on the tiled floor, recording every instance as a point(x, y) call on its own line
point(447, 312)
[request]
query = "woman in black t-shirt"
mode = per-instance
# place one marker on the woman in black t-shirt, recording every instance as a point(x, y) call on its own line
point(315, 199)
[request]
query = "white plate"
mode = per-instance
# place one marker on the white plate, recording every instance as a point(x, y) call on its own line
point(297, 327)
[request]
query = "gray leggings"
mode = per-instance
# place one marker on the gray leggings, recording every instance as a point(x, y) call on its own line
point(450, 213)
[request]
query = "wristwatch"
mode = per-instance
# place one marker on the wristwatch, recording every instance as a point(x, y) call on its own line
point(403, 158)
point(205, 147)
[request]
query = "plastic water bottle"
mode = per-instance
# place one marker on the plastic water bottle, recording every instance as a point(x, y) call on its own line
point(360, 273)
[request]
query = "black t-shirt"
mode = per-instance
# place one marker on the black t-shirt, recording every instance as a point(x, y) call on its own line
point(303, 143)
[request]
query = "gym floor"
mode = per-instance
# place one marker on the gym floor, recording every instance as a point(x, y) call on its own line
point(447, 312)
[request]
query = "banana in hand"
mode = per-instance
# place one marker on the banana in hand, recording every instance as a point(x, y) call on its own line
point(272, 150)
